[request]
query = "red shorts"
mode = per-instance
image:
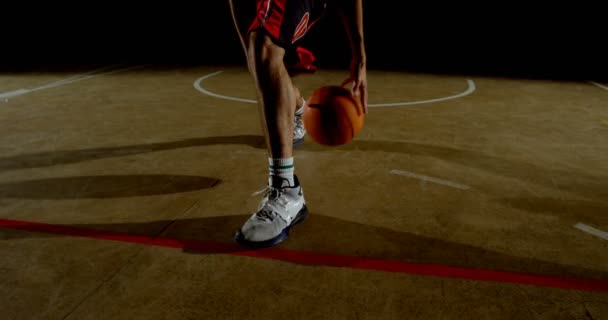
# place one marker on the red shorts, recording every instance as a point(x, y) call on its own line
point(286, 22)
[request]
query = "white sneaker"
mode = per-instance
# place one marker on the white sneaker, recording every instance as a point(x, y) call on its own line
point(298, 128)
point(279, 211)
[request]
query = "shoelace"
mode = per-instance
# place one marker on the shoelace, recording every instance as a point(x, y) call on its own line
point(299, 123)
point(266, 215)
point(273, 196)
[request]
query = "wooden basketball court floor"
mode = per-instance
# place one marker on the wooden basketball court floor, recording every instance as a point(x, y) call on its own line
point(463, 197)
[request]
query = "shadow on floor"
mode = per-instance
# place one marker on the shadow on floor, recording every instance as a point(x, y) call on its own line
point(107, 186)
point(592, 186)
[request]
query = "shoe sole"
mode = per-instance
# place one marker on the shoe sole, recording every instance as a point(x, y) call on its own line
point(301, 217)
point(298, 142)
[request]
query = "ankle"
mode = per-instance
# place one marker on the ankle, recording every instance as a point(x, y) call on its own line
point(281, 169)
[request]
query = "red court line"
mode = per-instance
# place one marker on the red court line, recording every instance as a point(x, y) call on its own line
point(318, 259)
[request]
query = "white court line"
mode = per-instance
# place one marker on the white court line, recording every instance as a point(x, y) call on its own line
point(470, 89)
point(14, 93)
point(591, 230)
point(430, 179)
point(51, 84)
point(81, 77)
point(599, 85)
point(197, 86)
point(68, 79)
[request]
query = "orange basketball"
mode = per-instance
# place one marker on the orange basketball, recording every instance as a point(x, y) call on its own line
point(332, 116)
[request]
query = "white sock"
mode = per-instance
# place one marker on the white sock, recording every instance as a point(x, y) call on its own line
point(281, 167)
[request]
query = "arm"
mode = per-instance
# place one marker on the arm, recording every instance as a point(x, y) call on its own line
point(351, 12)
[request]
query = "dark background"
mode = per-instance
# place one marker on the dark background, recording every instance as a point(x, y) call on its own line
point(507, 39)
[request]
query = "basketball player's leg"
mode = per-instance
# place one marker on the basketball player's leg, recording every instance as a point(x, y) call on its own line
point(276, 95)
point(243, 14)
point(283, 205)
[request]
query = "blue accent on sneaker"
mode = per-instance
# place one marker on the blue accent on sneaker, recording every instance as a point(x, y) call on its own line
point(301, 217)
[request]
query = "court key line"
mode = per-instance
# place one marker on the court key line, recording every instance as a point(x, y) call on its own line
point(470, 89)
point(318, 259)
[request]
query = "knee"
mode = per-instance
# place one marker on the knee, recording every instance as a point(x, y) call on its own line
point(263, 52)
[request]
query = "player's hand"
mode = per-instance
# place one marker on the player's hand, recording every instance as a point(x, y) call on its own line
point(358, 77)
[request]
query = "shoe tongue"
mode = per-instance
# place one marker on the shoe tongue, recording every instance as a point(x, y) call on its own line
point(278, 182)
